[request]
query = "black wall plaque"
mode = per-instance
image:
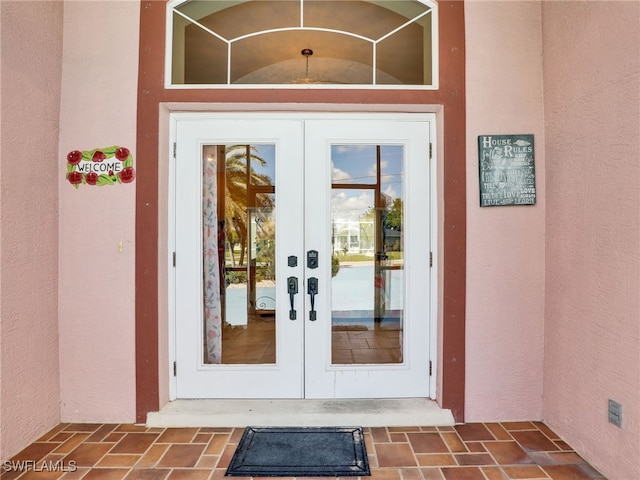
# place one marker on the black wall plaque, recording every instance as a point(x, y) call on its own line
point(507, 171)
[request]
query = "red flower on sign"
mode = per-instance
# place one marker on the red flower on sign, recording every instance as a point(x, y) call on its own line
point(122, 154)
point(91, 178)
point(98, 156)
point(74, 157)
point(127, 175)
point(75, 178)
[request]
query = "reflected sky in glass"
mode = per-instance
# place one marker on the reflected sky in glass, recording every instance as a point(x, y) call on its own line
point(356, 165)
point(268, 154)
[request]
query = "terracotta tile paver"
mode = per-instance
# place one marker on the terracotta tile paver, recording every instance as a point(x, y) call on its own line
point(83, 427)
point(437, 459)
point(508, 453)
point(106, 474)
point(454, 442)
point(152, 456)
point(474, 459)
point(135, 443)
point(534, 441)
point(148, 474)
point(217, 444)
point(181, 456)
point(498, 431)
point(100, 434)
point(527, 472)
point(474, 431)
point(119, 460)
point(115, 437)
point(380, 434)
point(52, 433)
point(226, 456)
point(88, 454)
point(60, 437)
point(427, 443)
point(478, 451)
point(72, 443)
point(463, 473)
point(432, 474)
point(36, 451)
point(178, 435)
point(475, 447)
point(202, 438)
point(494, 473)
point(567, 472)
point(546, 430)
point(519, 425)
point(395, 455)
point(190, 474)
point(33, 475)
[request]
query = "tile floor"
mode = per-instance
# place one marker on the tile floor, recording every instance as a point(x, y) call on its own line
point(477, 451)
point(351, 346)
point(256, 344)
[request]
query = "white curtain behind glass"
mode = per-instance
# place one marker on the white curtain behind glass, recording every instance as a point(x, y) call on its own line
point(211, 263)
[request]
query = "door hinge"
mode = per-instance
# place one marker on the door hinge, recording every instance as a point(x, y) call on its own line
point(430, 368)
point(175, 369)
point(430, 151)
point(174, 259)
point(175, 148)
point(430, 260)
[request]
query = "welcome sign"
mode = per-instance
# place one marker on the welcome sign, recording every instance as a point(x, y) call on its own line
point(100, 166)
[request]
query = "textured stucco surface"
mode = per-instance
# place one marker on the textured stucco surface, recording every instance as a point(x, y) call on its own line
point(505, 245)
point(592, 329)
point(31, 69)
point(97, 293)
point(555, 352)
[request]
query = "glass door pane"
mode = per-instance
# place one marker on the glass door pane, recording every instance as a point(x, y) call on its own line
point(367, 286)
point(239, 248)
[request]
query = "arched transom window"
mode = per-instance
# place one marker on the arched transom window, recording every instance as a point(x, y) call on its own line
point(302, 42)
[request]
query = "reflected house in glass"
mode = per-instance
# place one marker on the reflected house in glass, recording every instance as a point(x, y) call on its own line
point(352, 236)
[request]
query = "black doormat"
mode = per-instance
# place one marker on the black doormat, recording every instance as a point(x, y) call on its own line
point(300, 452)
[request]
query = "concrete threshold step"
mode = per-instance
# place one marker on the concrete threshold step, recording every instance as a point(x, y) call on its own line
point(349, 412)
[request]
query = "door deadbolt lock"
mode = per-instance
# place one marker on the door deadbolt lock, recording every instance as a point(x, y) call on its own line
point(312, 259)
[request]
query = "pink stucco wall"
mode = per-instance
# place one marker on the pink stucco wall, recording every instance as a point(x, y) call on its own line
point(505, 245)
point(31, 39)
point(97, 224)
point(592, 330)
point(533, 352)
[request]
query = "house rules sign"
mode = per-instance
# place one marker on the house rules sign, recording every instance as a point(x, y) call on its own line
point(507, 171)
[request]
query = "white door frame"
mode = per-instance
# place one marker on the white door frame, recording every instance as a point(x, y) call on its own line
point(433, 215)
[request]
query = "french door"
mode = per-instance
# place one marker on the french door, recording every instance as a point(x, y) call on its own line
point(302, 256)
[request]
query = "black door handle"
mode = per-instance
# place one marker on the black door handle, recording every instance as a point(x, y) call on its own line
point(292, 288)
point(312, 290)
